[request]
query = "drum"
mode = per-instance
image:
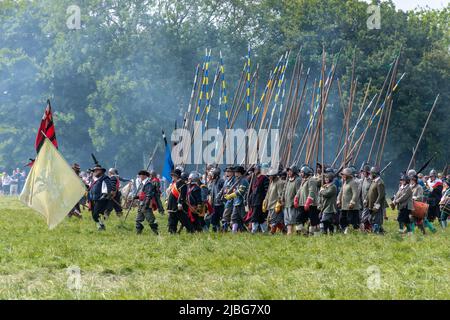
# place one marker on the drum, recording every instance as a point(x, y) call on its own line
point(420, 209)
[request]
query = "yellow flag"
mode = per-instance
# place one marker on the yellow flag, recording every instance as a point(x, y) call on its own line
point(52, 187)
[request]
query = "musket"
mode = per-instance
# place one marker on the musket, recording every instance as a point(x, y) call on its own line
point(95, 159)
point(426, 164)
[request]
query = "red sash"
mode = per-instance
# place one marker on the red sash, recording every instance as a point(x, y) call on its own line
point(174, 191)
point(190, 215)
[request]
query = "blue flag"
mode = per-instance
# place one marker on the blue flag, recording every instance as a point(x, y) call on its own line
point(168, 163)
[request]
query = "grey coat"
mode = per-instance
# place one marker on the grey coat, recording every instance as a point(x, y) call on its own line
point(403, 198)
point(350, 194)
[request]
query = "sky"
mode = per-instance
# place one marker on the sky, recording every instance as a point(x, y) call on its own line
point(412, 4)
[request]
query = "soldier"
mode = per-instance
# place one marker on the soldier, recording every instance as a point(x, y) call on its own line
point(228, 207)
point(417, 195)
point(403, 201)
point(157, 204)
point(145, 194)
point(445, 204)
point(76, 211)
point(176, 203)
point(237, 194)
point(306, 200)
point(115, 202)
point(273, 201)
point(99, 195)
point(365, 185)
point(328, 209)
point(434, 186)
point(376, 200)
point(291, 186)
point(194, 201)
point(258, 191)
point(349, 201)
point(215, 187)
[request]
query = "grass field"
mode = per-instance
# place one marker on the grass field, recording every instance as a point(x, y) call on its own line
point(35, 263)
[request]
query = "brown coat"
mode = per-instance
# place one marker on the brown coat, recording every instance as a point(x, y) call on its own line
point(376, 194)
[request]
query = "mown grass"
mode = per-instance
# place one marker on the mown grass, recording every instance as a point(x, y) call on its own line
point(117, 264)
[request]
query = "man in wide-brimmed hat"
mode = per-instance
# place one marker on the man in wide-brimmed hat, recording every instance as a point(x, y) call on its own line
point(215, 186)
point(99, 194)
point(273, 202)
point(292, 185)
point(238, 196)
point(258, 191)
point(228, 206)
point(145, 194)
point(177, 207)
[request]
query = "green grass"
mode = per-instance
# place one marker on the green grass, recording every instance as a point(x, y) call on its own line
point(117, 264)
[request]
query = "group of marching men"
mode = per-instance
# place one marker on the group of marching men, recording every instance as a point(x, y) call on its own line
point(260, 199)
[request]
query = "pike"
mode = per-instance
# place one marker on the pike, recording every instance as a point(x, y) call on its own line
point(153, 155)
point(386, 167)
point(423, 131)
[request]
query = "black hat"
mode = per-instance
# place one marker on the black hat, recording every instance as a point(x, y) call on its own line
point(184, 176)
point(98, 167)
point(176, 173)
point(144, 173)
point(230, 168)
point(239, 169)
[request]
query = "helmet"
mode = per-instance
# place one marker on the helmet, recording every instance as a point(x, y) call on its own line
point(347, 172)
point(272, 172)
point(307, 170)
point(433, 173)
point(329, 176)
point(365, 168)
point(412, 173)
point(184, 176)
point(329, 170)
point(293, 168)
point(180, 168)
point(194, 176)
point(153, 173)
point(404, 177)
point(353, 168)
point(375, 170)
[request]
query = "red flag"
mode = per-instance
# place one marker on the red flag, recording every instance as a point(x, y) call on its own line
point(46, 129)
